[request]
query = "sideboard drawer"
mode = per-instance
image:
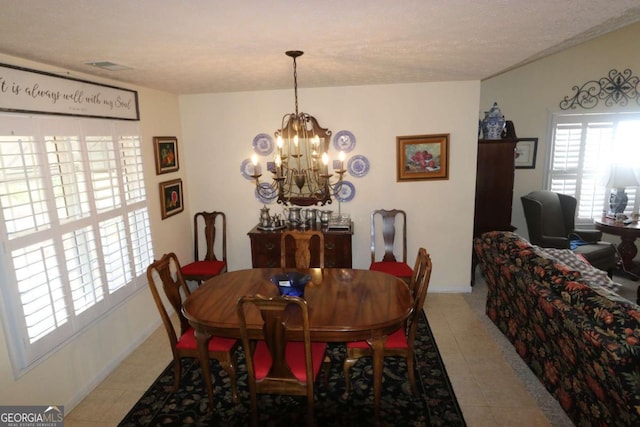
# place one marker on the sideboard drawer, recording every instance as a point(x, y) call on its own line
point(337, 250)
point(265, 248)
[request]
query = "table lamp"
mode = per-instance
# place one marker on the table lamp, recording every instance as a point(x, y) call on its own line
point(620, 177)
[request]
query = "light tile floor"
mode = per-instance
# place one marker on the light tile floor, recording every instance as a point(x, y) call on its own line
point(488, 390)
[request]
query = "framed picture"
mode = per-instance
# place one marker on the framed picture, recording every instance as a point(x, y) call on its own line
point(422, 157)
point(171, 197)
point(526, 149)
point(166, 154)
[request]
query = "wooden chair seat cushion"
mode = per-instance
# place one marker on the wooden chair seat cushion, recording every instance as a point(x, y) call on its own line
point(188, 342)
point(398, 339)
point(294, 356)
point(203, 268)
point(395, 268)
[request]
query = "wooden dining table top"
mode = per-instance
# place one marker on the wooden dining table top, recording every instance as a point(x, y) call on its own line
point(344, 304)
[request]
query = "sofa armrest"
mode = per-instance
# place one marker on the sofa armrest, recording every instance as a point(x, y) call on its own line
point(554, 242)
point(588, 235)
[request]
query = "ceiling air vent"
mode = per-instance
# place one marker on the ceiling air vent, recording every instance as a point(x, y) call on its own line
point(108, 65)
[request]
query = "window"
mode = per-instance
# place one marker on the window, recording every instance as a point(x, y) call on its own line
point(584, 146)
point(75, 226)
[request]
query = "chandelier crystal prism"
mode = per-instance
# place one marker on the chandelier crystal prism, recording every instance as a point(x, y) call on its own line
point(301, 161)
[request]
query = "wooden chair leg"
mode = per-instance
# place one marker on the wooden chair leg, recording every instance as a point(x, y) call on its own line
point(346, 367)
point(177, 372)
point(254, 410)
point(229, 366)
point(310, 420)
point(325, 370)
point(412, 375)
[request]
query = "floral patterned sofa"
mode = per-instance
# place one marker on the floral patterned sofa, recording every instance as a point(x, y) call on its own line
point(578, 337)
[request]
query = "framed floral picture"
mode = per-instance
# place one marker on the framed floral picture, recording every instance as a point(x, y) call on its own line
point(171, 198)
point(422, 157)
point(166, 154)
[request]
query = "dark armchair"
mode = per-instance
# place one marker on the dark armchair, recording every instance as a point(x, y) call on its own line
point(551, 223)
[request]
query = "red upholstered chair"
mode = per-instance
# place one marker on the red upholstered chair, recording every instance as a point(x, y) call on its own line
point(401, 342)
point(276, 365)
point(210, 265)
point(166, 273)
point(385, 234)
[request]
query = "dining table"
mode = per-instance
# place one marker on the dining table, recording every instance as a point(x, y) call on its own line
point(344, 305)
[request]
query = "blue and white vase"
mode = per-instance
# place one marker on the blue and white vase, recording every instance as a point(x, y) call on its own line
point(493, 123)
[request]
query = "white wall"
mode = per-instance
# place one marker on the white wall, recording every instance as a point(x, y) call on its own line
point(77, 367)
point(528, 95)
point(218, 131)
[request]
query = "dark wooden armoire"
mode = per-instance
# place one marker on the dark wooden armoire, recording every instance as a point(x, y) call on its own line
point(494, 185)
point(494, 188)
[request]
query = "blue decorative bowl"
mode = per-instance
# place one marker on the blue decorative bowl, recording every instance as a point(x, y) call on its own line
point(291, 283)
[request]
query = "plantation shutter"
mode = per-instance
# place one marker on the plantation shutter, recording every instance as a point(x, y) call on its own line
point(76, 237)
point(582, 148)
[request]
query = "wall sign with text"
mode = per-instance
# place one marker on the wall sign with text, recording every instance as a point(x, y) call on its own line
point(31, 91)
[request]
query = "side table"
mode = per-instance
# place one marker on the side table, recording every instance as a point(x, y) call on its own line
point(627, 247)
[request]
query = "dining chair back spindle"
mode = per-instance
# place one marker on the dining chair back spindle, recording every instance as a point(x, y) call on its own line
point(302, 243)
point(388, 237)
point(275, 364)
point(210, 226)
point(400, 343)
point(166, 273)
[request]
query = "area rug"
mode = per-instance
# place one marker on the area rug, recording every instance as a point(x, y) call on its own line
point(436, 404)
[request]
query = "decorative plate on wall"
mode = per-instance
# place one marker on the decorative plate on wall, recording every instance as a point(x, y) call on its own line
point(265, 194)
point(344, 141)
point(247, 169)
point(263, 144)
point(344, 191)
point(358, 166)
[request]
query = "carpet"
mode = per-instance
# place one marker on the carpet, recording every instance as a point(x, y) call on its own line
point(436, 404)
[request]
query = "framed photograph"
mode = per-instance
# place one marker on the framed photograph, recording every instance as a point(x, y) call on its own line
point(166, 154)
point(526, 149)
point(171, 197)
point(422, 157)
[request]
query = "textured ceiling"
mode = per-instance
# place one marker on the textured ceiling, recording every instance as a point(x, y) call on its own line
point(201, 46)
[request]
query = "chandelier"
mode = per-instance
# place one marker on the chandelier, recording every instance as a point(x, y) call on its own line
point(300, 166)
